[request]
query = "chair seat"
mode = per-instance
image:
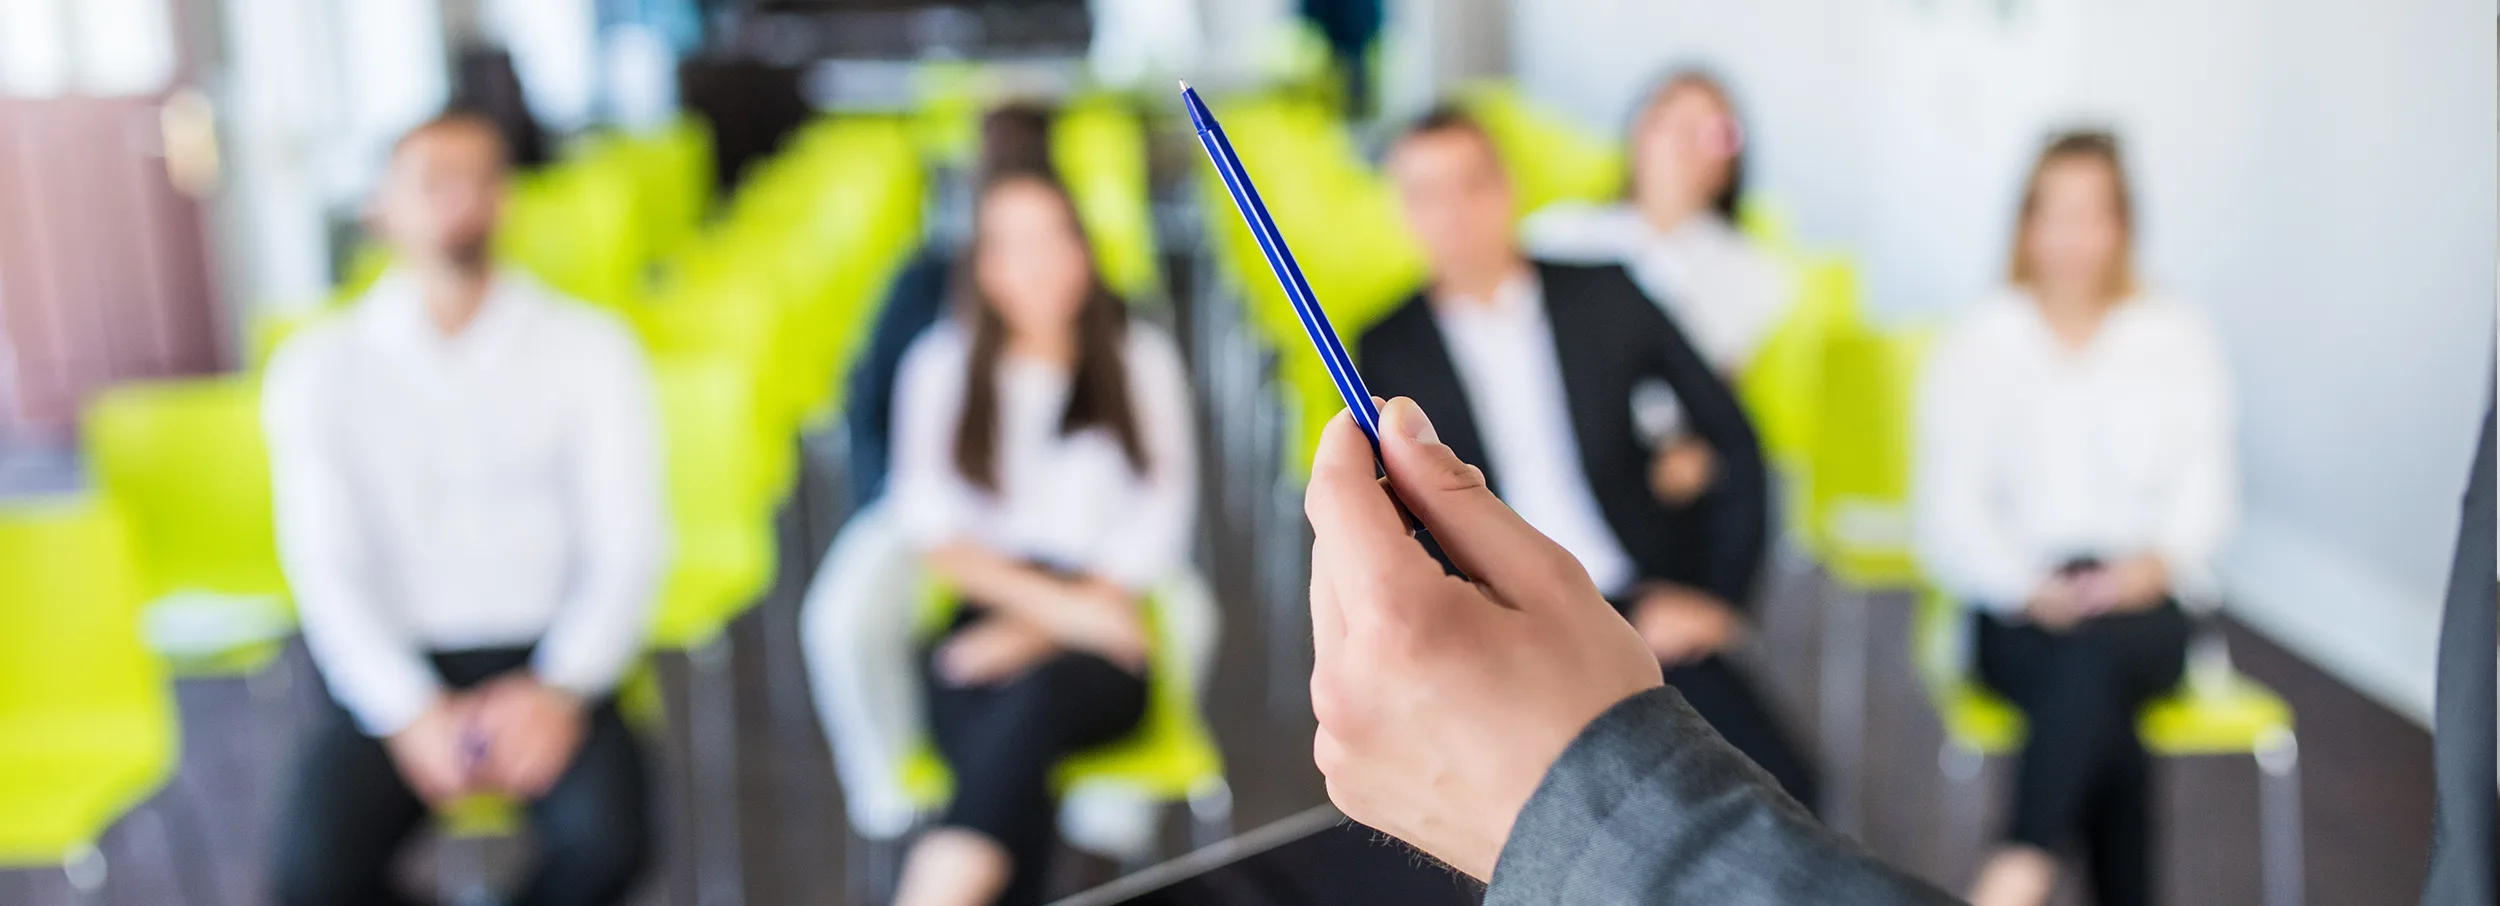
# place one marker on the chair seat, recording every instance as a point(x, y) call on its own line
point(714, 577)
point(1162, 761)
point(207, 633)
point(479, 815)
point(2233, 715)
point(64, 779)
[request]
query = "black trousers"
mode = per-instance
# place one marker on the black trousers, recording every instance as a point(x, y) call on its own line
point(2084, 777)
point(1003, 740)
point(351, 811)
point(1731, 703)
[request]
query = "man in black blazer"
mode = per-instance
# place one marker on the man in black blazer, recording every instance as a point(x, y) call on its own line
point(1530, 370)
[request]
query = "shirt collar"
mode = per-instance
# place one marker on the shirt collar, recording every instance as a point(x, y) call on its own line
point(1519, 296)
point(395, 310)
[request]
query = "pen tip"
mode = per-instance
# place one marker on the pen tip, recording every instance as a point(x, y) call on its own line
point(1184, 84)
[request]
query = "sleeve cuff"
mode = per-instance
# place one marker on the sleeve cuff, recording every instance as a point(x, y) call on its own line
point(383, 712)
point(1634, 780)
point(587, 681)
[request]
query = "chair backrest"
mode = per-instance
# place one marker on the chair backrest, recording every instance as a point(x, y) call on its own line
point(1550, 158)
point(1099, 147)
point(720, 508)
point(69, 621)
point(1861, 463)
point(186, 464)
point(1782, 386)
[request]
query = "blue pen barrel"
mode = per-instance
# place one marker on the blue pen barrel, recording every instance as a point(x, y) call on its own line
point(1332, 353)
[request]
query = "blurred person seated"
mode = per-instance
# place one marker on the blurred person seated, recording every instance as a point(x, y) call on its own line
point(1530, 369)
point(1676, 232)
point(1045, 473)
point(1015, 138)
point(469, 496)
point(2075, 482)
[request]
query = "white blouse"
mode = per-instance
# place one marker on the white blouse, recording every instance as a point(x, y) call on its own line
point(1068, 500)
point(1726, 294)
point(2030, 454)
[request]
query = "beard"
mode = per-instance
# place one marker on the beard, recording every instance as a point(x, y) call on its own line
point(471, 254)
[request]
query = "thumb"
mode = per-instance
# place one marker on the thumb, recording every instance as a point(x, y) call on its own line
point(1481, 534)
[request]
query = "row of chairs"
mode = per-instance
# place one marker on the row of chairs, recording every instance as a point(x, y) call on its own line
point(750, 318)
point(1831, 392)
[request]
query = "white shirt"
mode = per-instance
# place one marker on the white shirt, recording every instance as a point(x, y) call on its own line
point(1069, 500)
point(2030, 454)
point(1504, 353)
point(497, 487)
point(1723, 292)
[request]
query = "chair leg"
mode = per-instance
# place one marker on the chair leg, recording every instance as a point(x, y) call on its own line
point(1842, 701)
point(2278, 761)
point(1962, 769)
point(1210, 815)
point(86, 872)
point(462, 864)
point(713, 721)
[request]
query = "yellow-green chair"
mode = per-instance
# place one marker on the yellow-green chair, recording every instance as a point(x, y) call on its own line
point(722, 534)
point(1858, 522)
point(1550, 159)
point(2215, 712)
point(1859, 502)
point(87, 726)
point(1783, 386)
point(185, 464)
point(1098, 145)
point(1172, 757)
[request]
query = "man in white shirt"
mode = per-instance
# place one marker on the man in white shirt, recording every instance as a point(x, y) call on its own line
point(1532, 370)
point(469, 505)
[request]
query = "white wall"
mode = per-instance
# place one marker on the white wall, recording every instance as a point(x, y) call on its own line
point(2318, 173)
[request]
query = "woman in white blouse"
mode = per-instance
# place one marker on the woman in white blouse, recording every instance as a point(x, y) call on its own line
point(1043, 469)
point(2075, 483)
point(1676, 233)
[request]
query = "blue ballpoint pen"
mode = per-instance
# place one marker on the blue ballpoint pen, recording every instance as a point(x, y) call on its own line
point(1358, 398)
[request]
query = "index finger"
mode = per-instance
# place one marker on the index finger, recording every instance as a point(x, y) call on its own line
point(1350, 512)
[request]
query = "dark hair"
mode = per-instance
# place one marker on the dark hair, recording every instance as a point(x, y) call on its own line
point(1098, 393)
point(486, 84)
point(2094, 145)
point(1447, 118)
point(1732, 190)
point(457, 117)
point(1015, 139)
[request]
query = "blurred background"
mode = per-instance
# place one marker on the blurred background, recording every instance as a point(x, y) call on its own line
point(183, 185)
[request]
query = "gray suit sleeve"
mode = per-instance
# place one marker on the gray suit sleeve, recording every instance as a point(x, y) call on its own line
point(1649, 806)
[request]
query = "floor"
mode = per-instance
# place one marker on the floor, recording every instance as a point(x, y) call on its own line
point(2366, 777)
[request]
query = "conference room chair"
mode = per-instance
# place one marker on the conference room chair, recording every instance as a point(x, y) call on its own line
point(862, 649)
point(1858, 525)
point(2215, 712)
point(185, 464)
point(87, 722)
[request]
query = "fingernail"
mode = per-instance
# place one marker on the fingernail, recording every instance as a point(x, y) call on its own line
point(1410, 422)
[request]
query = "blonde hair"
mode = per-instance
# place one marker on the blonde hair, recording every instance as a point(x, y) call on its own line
point(2092, 146)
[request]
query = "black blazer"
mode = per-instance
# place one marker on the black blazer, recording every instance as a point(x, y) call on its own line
point(1610, 337)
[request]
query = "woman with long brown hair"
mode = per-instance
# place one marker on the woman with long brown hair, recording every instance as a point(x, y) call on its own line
point(2075, 484)
point(1044, 470)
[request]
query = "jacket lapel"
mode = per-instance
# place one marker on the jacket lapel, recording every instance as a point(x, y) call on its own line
point(1578, 337)
point(1431, 379)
